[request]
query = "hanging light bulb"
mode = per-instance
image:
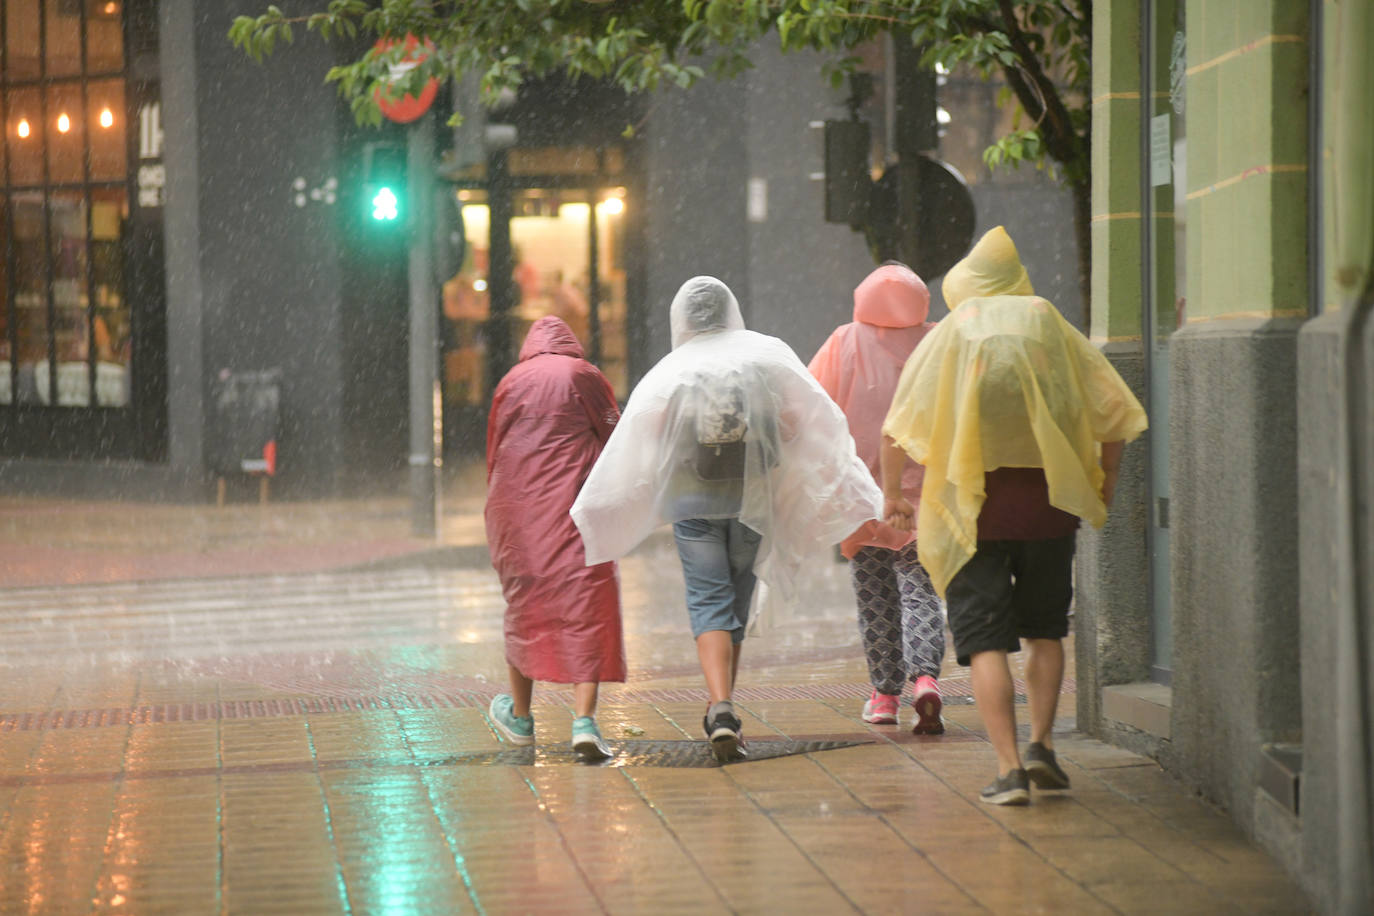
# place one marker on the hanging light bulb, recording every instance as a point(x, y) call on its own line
point(22, 128)
point(106, 117)
point(64, 123)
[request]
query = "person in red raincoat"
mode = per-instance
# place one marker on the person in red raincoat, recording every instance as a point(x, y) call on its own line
point(550, 417)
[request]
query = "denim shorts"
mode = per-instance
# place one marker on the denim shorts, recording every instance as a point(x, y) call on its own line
point(718, 566)
point(1009, 591)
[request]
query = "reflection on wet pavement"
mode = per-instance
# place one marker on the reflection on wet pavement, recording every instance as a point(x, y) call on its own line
point(380, 632)
point(315, 743)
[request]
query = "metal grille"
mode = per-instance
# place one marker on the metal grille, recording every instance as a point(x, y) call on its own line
point(639, 753)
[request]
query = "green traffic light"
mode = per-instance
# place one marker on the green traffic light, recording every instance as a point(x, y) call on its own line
point(385, 206)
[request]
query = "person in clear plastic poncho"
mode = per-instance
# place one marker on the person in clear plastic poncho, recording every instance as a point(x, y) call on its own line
point(1019, 422)
point(730, 440)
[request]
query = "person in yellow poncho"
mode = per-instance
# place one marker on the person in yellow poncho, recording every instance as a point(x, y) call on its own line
point(1019, 423)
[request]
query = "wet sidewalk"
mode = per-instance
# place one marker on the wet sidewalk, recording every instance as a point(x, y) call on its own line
point(54, 542)
point(317, 743)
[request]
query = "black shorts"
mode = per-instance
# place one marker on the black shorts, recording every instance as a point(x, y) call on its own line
point(1009, 591)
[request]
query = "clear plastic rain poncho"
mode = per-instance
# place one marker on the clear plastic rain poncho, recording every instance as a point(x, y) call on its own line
point(730, 423)
point(1003, 381)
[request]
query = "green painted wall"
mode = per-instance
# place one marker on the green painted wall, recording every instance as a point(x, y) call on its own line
point(1247, 158)
point(1116, 225)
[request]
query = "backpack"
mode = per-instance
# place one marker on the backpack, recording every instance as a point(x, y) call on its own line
point(721, 425)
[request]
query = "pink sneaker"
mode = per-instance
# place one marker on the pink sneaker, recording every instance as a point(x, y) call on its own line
point(881, 708)
point(928, 705)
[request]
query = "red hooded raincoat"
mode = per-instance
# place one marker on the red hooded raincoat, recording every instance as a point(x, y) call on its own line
point(550, 417)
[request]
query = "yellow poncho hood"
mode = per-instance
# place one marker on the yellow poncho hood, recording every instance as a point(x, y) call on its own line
point(1004, 381)
point(991, 268)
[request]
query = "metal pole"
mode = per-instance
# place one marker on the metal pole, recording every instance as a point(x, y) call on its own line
point(502, 295)
point(426, 455)
point(594, 278)
point(916, 133)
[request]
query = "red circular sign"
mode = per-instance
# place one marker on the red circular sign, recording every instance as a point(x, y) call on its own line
point(407, 108)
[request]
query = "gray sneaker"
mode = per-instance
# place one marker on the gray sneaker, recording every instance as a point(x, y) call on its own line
point(1011, 789)
point(1043, 768)
point(723, 731)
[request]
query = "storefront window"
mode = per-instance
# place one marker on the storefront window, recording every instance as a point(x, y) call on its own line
point(65, 206)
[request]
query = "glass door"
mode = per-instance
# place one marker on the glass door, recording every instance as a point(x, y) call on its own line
point(1164, 64)
point(568, 249)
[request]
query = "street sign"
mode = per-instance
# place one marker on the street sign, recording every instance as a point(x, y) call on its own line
point(406, 108)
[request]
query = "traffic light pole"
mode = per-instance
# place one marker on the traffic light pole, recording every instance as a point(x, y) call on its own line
point(426, 414)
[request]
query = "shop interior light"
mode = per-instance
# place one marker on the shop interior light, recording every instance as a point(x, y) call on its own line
point(106, 117)
point(22, 128)
point(613, 205)
point(64, 123)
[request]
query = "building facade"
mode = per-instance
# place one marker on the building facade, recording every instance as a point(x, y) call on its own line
point(203, 216)
point(1223, 613)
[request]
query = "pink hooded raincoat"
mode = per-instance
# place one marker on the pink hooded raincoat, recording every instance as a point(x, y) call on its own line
point(550, 417)
point(858, 366)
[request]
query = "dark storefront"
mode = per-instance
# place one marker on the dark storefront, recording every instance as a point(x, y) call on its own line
point(82, 353)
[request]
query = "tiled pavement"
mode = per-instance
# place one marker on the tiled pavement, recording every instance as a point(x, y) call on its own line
point(317, 743)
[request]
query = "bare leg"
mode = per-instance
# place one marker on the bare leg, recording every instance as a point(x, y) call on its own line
point(992, 691)
point(719, 658)
point(521, 690)
point(1044, 676)
point(734, 665)
point(584, 698)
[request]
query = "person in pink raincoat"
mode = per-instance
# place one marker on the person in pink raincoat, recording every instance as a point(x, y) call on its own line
point(550, 417)
point(900, 619)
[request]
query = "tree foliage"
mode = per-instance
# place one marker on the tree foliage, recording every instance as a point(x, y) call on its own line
point(1041, 47)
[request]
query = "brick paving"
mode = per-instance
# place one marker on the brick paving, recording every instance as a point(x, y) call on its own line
point(308, 741)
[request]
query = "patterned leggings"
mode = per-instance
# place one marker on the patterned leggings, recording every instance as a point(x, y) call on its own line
point(899, 617)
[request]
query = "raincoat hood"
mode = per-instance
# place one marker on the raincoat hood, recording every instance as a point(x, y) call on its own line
point(892, 297)
point(703, 304)
point(992, 268)
point(550, 334)
point(1005, 381)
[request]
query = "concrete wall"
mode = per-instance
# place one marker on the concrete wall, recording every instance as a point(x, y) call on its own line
point(802, 270)
point(696, 163)
point(270, 281)
point(1111, 598)
point(1321, 567)
point(1233, 432)
point(794, 274)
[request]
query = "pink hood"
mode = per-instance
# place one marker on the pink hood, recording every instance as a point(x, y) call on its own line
point(892, 297)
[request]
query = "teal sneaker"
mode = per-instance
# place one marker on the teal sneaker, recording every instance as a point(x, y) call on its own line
point(518, 730)
point(587, 741)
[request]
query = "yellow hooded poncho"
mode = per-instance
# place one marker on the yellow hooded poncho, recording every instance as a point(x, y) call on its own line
point(1003, 381)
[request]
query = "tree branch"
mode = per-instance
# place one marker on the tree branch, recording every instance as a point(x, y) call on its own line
point(1043, 104)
